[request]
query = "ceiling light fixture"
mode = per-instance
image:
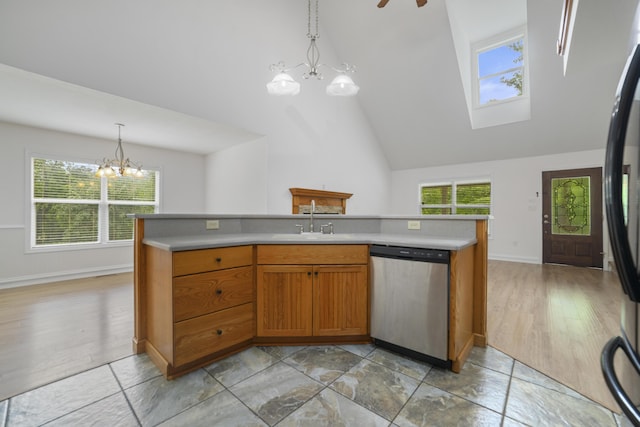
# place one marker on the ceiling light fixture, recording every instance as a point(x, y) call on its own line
point(284, 84)
point(119, 165)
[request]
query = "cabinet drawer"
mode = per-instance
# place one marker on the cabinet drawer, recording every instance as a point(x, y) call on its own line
point(205, 293)
point(204, 335)
point(201, 260)
point(313, 254)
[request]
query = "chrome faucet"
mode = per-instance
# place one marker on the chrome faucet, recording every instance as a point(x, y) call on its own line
point(313, 208)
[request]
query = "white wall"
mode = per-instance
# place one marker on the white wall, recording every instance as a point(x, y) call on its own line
point(325, 143)
point(314, 141)
point(236, 179)
point(181, 186)
point(516, 231)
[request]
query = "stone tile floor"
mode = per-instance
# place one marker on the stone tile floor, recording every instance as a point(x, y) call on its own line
point(349, 385)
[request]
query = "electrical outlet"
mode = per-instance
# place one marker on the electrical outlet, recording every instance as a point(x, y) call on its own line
point(213, 224)
point(413, 225)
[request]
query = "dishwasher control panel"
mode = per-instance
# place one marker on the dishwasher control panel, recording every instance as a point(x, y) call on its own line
point(413, 254)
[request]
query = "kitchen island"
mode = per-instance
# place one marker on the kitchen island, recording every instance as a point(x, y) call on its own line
point(207, 286)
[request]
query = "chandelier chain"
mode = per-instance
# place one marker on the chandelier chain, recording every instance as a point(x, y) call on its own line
point(119, 164)
point(284, 84)
point(119, 149)
point(317, 33)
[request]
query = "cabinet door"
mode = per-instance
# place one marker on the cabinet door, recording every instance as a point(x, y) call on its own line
point(284, 300)
point(340, 300)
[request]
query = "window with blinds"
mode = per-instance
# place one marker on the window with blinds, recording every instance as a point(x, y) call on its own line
point(70, 205)
point(456, 197)
point(126, 195)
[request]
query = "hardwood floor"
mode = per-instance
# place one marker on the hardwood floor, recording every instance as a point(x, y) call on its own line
point(50, 331)
point(553, 318)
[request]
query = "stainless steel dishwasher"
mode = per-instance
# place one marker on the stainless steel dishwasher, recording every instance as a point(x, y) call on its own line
point(410, 301)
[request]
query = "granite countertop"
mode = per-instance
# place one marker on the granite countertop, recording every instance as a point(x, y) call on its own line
point(185, 243)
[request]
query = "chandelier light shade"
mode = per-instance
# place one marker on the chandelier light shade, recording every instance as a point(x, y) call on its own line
point(342, 85)
point(119, 165)
point(284, 84)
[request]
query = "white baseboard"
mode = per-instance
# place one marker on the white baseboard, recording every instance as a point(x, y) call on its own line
point(56, 276)
point(526, 260)
point(608, 265)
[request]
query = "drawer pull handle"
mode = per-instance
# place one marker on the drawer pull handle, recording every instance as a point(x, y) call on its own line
point(218, 260)
point(218, 291)
point(309, 273)
point(219, 332)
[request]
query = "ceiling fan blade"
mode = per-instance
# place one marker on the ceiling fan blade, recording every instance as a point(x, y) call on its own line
point(383, 3)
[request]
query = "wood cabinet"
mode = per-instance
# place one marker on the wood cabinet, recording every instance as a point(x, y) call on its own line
point(285, 300)
point(194, 307)
point(200, 305)
point(312, 290)
point(340, 300)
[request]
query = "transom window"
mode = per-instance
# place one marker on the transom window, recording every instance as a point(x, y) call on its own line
point(70, 205)
point(500, 68)
point(456, 198)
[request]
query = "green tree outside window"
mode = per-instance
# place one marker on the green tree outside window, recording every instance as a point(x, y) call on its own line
point(69, 203)
point(456, 198)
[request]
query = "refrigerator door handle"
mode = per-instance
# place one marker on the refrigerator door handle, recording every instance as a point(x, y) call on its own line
point(610, 377)
point(614, 157)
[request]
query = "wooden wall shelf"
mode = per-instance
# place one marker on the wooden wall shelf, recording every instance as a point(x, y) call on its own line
point(327, 202)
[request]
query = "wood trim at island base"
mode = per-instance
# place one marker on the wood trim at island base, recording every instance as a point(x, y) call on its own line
point(312, 340)
point(458, 362)
point(170, 372)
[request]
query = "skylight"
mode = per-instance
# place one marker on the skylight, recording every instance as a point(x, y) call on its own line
point(500, 72)
point(490, 39)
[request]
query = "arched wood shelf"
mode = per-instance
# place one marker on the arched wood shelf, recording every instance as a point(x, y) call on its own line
point(327, 202)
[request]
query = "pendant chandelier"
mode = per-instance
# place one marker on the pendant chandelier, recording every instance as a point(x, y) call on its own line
point(119, 165)
point(284, 84)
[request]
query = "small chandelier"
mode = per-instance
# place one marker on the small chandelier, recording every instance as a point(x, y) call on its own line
point(284, 84)
point(119, 165)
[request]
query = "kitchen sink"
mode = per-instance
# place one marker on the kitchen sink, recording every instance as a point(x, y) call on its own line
point(312, 236)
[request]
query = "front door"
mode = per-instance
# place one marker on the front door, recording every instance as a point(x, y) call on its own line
point(572, 217)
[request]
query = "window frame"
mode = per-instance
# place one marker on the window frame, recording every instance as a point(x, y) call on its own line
point(494, 42)
point(454, 183)
point(103, 207)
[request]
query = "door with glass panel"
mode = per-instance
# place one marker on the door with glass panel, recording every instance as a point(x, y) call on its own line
point(572, 217)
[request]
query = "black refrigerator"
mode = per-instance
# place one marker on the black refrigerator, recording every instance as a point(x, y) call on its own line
point(620, 358)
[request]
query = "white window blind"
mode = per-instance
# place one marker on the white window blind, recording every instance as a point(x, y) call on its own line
point(70, 205)
point(456, 197)
point(126, 195)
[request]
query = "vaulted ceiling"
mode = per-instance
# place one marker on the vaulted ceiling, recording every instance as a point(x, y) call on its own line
point(194, 71)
